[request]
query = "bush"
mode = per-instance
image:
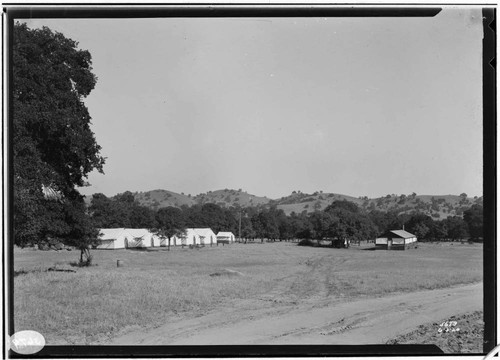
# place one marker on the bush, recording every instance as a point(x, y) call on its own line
point(306, 242)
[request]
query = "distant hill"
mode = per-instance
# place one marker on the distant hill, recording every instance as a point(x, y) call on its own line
point(156, 199)
point(227, 198)
point(298, 202)
point(437, 206)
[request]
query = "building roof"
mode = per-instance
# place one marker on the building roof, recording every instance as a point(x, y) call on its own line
point(402, 234)
point(110, 234)
point(225, 233)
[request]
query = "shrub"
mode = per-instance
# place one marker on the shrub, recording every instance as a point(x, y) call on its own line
point(306, 242)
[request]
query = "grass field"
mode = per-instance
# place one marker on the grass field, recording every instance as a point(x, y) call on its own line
point(90, 304)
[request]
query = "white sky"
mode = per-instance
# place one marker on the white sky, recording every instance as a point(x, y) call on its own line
point(358, 106)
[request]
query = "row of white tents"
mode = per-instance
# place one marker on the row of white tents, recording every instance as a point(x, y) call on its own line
point(122, 238)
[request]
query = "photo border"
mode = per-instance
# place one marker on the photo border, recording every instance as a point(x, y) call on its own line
point(199, 10)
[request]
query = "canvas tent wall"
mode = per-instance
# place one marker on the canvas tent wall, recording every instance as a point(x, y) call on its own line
point(111, 239)
point(227, 237)
point(141, 238)
point(155, 240)
point(396, 240)
point(207, 236)
point(174, 240)
point(190, 237)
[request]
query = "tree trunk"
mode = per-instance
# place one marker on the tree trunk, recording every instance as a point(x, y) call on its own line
point(169, 244)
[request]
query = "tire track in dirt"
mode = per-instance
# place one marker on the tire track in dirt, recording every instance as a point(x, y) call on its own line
point(366, 321)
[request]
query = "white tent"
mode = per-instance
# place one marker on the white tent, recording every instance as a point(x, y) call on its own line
point(190, 237)
point(174, 240)
point(141, 238)
point(207, 236)
point(113, 238)
point(224, 236)
point(156, 240)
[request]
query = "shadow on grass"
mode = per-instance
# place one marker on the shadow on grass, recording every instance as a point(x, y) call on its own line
point(139, 249)
point(23, 272)
point(60, 270)
point(77, 264)
point(54, 268)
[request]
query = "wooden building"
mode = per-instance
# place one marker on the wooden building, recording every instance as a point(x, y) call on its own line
point(225, 237)
point(396, 240)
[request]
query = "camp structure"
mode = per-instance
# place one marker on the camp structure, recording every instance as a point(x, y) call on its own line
point(141, 238)
point(396, 240)
point(225, 237)
point(207, 236)
point(174, 240)
point(155, 240)
point(190, 237)
point(111, 239)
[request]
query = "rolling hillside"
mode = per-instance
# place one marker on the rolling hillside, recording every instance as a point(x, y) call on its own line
point(229, 197)
point(156, 199)
point(437, 206)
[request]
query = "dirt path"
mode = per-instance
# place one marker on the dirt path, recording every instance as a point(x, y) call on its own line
point(366, 321)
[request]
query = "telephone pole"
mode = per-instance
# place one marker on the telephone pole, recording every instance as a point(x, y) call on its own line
point(239, 234)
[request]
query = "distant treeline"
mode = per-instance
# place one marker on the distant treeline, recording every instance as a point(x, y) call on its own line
point(340, 220)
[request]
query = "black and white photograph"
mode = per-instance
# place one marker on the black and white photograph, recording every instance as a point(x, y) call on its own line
point(222, 179)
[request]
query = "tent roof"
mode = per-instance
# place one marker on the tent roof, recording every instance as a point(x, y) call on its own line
point(110, 234)
point(138, 233)
point(203, 231)
point(225, 233)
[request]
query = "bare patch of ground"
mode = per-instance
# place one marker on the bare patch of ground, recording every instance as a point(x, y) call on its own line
point(366, 321)
point(456, 334)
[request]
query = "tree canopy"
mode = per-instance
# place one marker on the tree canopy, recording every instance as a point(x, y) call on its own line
point(53, 144)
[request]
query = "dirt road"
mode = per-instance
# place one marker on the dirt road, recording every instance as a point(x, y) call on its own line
point(364, 321)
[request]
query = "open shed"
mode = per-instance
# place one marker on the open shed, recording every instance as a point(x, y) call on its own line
point(396, 240)
point(225, 237)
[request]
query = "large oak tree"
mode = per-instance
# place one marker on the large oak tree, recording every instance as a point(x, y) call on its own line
point(53, 145)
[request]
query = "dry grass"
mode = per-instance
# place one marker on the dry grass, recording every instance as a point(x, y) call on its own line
point(153, 286)
point(464, 337)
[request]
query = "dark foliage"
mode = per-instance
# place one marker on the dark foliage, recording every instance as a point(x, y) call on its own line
point(53, 145)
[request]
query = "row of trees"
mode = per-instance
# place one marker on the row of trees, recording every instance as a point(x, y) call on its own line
point(340, 220)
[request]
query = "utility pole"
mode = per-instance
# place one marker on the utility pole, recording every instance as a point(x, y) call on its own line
point(239, 234)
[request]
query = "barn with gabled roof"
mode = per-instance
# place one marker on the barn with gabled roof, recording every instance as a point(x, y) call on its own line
point(396, 240)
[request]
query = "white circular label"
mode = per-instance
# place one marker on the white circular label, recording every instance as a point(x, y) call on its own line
point(27, 342)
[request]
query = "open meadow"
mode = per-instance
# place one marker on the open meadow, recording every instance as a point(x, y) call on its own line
point(97, 304)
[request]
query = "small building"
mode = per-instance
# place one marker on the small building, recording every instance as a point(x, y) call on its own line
point(396, 240)
point(111, 239)
point(225, 237)
point(206, 235)
point(141, 238)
